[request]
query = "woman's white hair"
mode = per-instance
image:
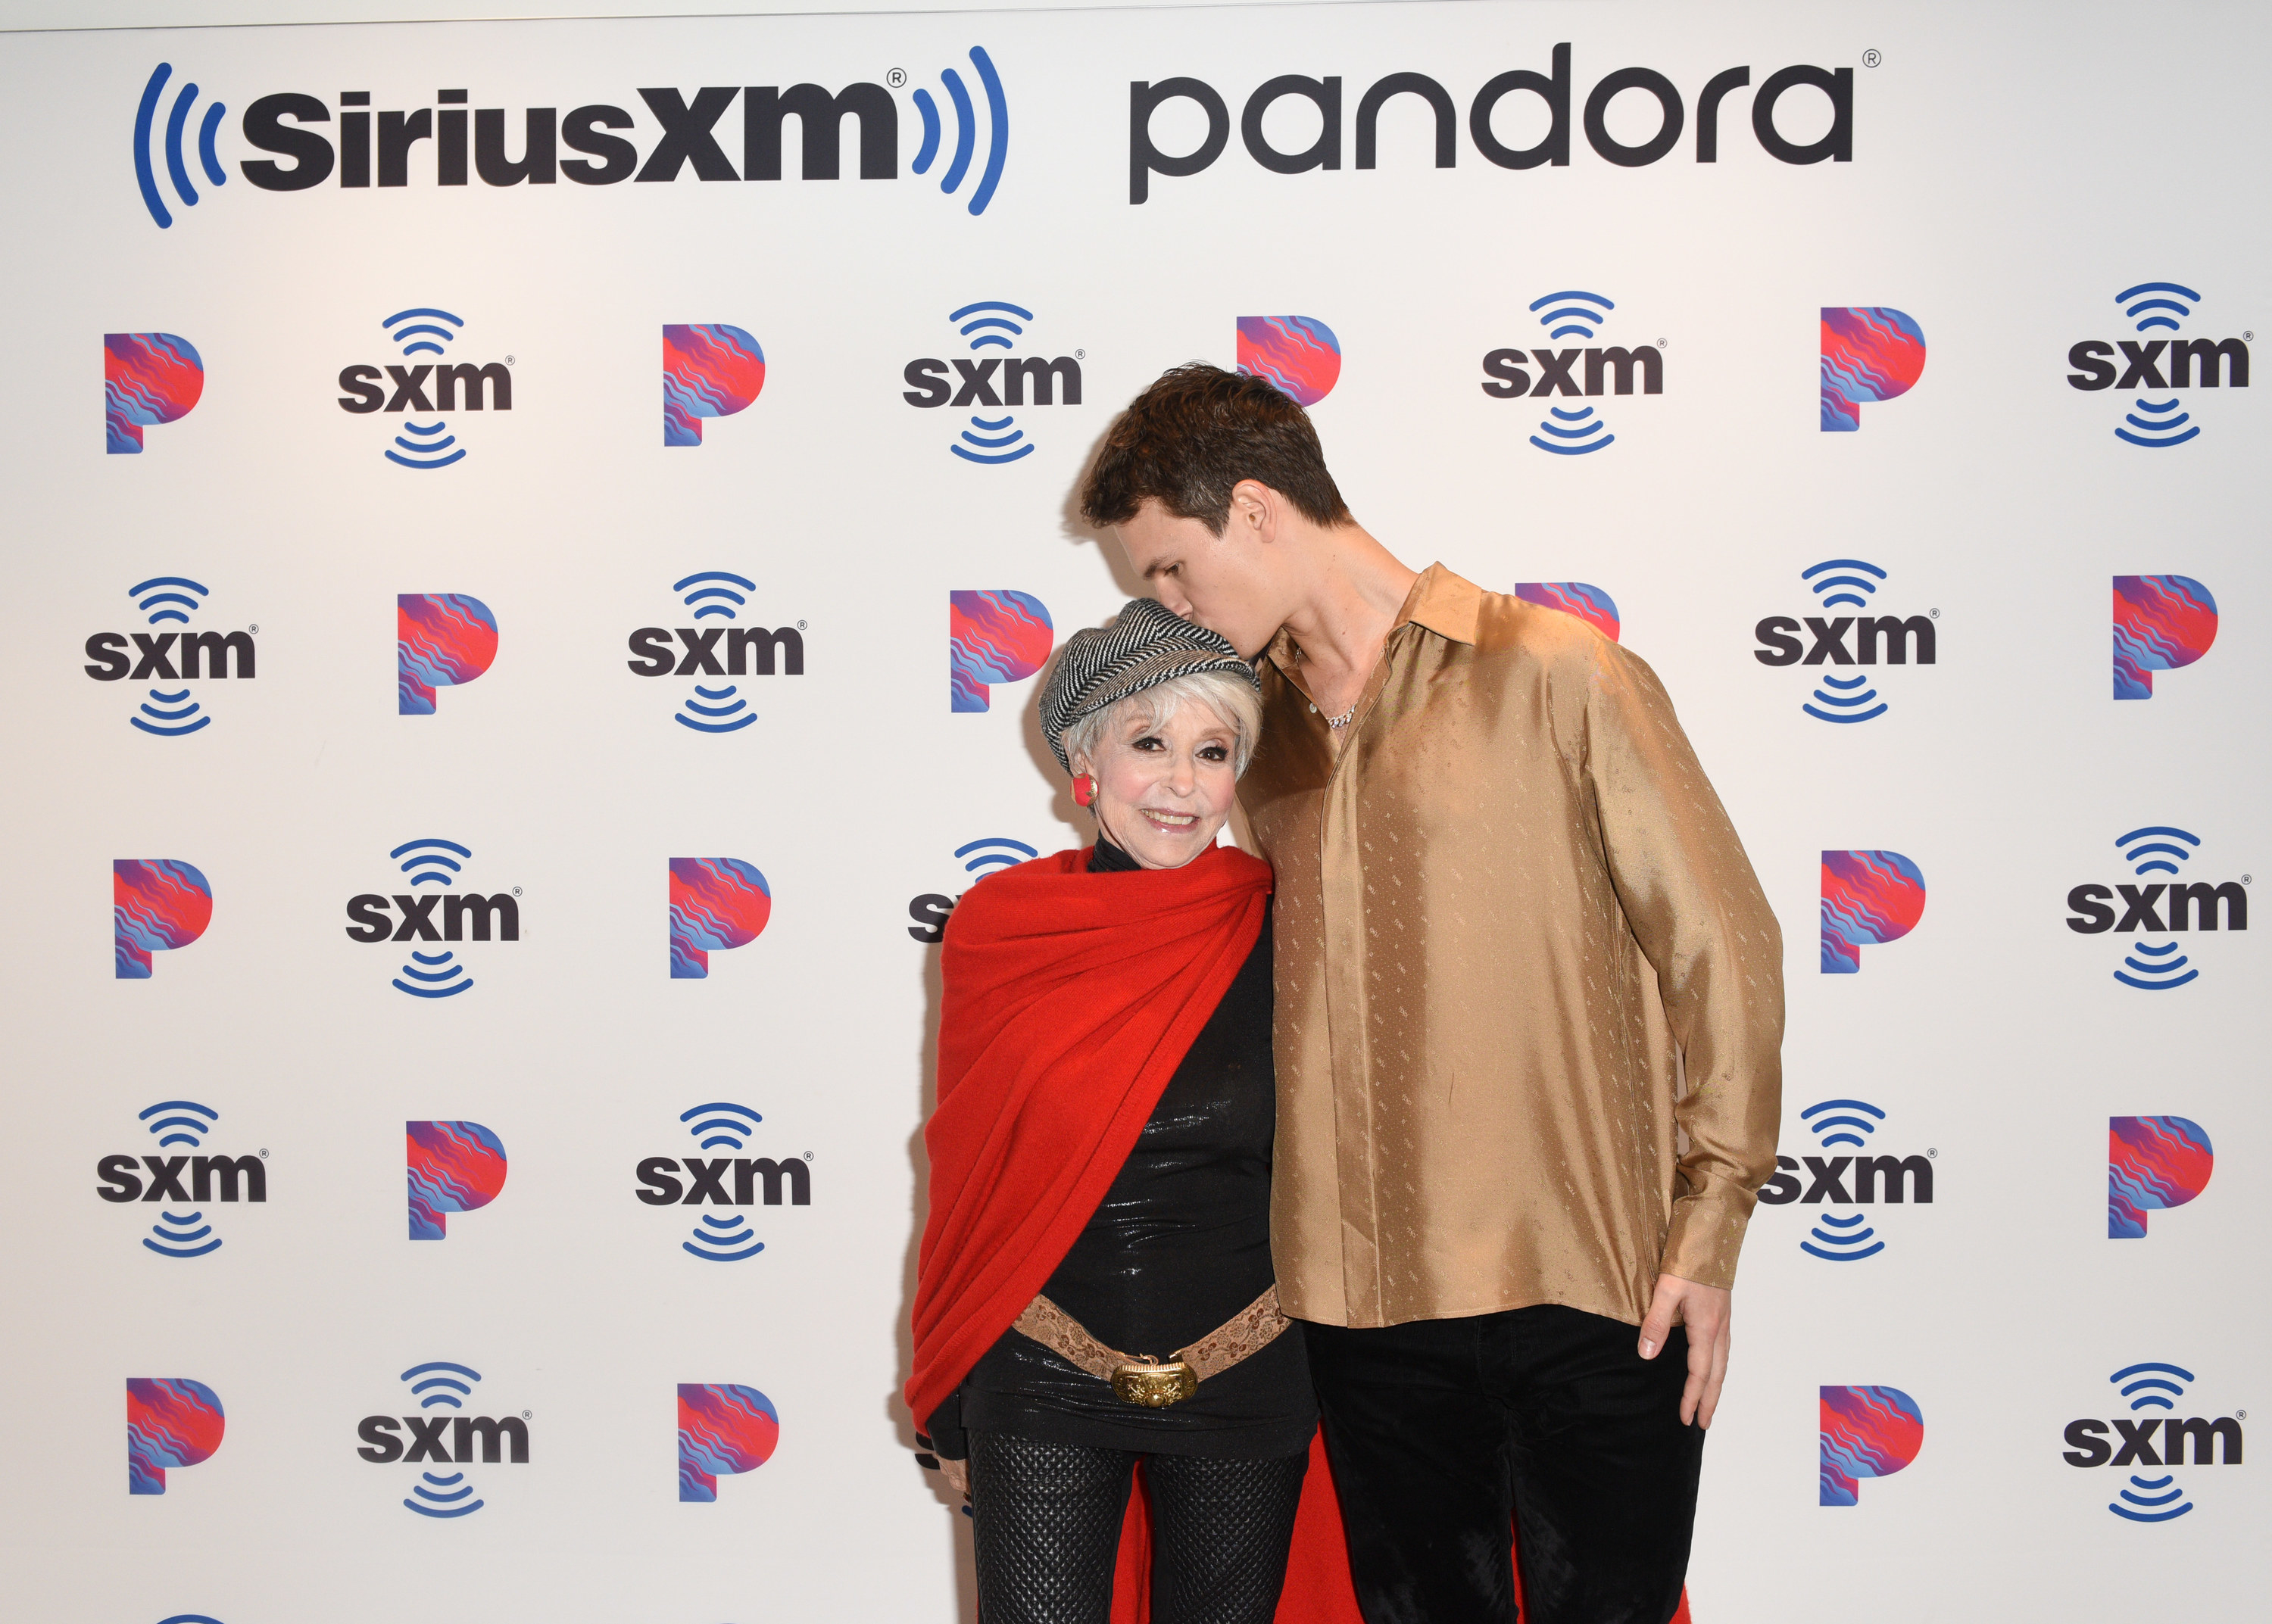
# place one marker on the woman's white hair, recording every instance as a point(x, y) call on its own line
point(1232, 699)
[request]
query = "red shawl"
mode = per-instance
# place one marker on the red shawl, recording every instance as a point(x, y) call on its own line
point(1071, 998)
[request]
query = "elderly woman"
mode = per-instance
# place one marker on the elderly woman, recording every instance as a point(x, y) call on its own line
point(1094, 1288)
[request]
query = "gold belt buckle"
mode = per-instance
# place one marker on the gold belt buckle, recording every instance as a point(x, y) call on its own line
point(1155, 1386)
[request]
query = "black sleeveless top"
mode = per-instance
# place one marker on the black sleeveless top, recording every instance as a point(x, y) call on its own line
point(1180, 1243)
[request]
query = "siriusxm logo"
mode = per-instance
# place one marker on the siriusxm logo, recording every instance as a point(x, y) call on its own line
point(148, 379)
point(709, 370)
point(722, 651)
point(441, 640)
point(2161, 623)
point(427, 862)
point(170, 1422)
point(997, 637)
point(1867, 1432)
point(716, 904)
point(1868, 898)
point(210, 1178)
point(2167, 907)
point(1589, 604)
point(1297, 354)
point(454, 1167)
point(723, 1430)
point(2153, 1162)
point(1553, 89)
point(1846, 583)
point(1870, 353)
point(452, 143)
point(419, 332)
point(157, 904)
point(723, 1180)
point(1572, 314)
point(2154, 1386)
point(162, 657)
point(1848, 1238)
point(442, 1439)
point(2158, 364)
point(979, 858)
point(992, 324)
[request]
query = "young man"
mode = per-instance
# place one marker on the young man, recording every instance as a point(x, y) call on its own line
point(1530, 1010)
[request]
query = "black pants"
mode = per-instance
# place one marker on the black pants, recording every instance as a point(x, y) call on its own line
point(1439, 1430)
point(1047, 1531)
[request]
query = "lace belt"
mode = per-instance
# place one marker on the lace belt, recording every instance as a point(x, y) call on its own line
point(1142, 1379)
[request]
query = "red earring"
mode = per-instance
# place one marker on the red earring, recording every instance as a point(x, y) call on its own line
point(1084, 790)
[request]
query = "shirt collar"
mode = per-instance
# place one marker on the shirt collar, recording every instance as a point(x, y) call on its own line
point(1439, 601)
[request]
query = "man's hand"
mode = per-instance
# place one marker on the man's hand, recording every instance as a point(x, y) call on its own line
point(1704, 1309)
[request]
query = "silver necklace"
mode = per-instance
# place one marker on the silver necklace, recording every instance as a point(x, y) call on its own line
point(1342, 721)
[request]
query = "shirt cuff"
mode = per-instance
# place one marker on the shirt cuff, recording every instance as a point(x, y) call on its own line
point(1706, 1234)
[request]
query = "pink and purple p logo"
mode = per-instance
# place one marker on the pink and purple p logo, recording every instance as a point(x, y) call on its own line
point(170, 1422)
point(1867, 1432)
point(2153, 1162)
point(709, 370)
point(1589, 604)
point(1000, 637)
point(442, 640)
point(716, 903)
point(148, 379)
point(1870, 352)
point(1296, 354)
point(1868, 898)
point(454, 1167)
point(2161, 622)
point(723, 1430)
point(157, 904)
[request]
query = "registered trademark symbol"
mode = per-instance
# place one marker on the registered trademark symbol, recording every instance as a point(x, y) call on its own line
point(2251, 336)
point(1664, 344)
point(808, 1156)
point(1080, 354)
point(528, 1415)
point(2240, 1415)
point(896, 78)
point(264, 1155)
point(252, 628)
point(1932, 1151)
point(1871, 59)
point(508, 360)
point(2248, 879)
point(516, 890)
point(800, 625)
point(1936, 613)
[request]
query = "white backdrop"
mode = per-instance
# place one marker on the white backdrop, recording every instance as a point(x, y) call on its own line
point(2012, 171)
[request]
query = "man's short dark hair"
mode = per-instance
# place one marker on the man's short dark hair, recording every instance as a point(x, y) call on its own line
point(1194, 434)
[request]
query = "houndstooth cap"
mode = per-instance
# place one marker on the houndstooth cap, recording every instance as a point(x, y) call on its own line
point(1143, 644)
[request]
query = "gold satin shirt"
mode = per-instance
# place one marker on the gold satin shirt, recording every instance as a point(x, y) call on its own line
point(1508, 913)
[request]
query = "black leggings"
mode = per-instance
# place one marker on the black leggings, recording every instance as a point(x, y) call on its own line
point(1047, 1526)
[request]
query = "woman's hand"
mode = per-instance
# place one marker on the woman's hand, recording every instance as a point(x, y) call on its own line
point(957, 1474)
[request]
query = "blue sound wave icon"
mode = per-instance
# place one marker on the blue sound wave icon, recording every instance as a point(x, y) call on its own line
point(437, 975)
point(995, 852)
point(181, 1121)
point(1840, 582)
point(428, 444)
point(438, 1496)
point(1842, 691)
point(1572, 315)
point(417, 332)
point(188, 1618)
point(730, 1125)
point(1571, 442)
point(987, 324)
point(966, 131)
point(1839, 1129)
point(1847, 1240)
point(2150, 1386)
point(145, 118)
point(716, 710)
point(1580, 314)
point(2160, 426)
point(724, 1240)
point(2160, 307)
point(2150, 850)
point(1833, 590)
point(166, 598)
point(727, 1126)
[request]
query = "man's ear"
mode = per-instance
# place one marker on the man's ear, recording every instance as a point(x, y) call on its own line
point(1254, 509)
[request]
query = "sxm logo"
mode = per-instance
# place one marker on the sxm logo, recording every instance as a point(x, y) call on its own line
point(1851, 1122)
point(2153, 1162)
point(979, 858)
point(1553, 89)
point(452, 1167)
point(2161, 622)
point(1589, 604)
point(1846, 583)
point(992, 324)
point(170, 1421)
point(160, 657)
point(723, 1430)
point(148, 379)
point(1298, 355)
point(716, 904)
point(2158, 365)
point(441, 640)
point(442, 1439)
point(1867, 1432)
point(729, 1181)
point(1868, 898)
point(157, 904)
point(1572, 314)
point(1870, 352)
point(429, 862)
point(709, 370)
point(717, 652)
point(993, 636)
point(419, 332)
point(451, 143)
point(155, 1177)
point(2167, 907)
point(2155, 1385)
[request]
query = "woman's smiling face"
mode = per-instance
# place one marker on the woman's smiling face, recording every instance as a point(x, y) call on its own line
point(1164, 788)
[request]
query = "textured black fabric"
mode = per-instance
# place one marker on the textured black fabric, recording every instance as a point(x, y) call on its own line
point(1439, 1430)
point(1047, 1531)
point(1180, 1243)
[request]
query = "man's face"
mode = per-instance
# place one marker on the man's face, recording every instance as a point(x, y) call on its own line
point(1224, 582)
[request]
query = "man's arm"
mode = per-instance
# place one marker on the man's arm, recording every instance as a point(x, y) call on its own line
point(1696, 908)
